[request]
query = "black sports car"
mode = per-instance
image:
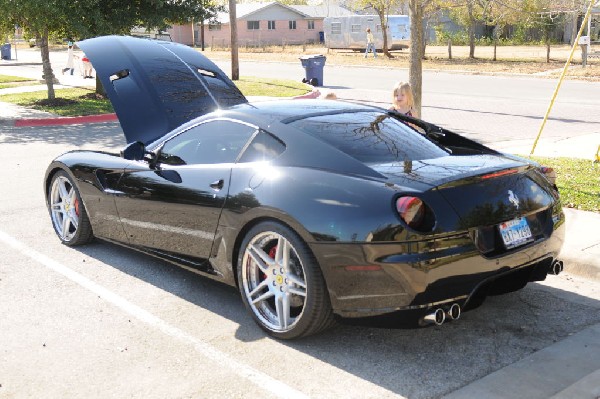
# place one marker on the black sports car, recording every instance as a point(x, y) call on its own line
point(312, 208)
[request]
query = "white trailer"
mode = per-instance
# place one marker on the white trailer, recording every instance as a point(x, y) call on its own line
point(349, 32)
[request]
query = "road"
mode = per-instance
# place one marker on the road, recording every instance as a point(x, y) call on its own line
point(102, 321)
point(496, 110)
point(491, 109)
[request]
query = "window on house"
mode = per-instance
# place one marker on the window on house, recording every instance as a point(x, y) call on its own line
point(214, 26)
point(292, 24)
point(355, 28)
point(271, 25)
point(378, 28)
point(311, 25)
point(336, 28)
point(253, 25)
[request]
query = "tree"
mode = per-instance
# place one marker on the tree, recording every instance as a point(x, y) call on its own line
point(83, 19)
point(468, 13)
point(415, 62)
point(235, 62)
point(418, 11)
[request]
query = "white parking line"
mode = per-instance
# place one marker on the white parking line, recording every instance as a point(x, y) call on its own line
point(262, 380)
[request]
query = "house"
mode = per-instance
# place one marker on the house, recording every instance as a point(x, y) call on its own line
point(261, 24)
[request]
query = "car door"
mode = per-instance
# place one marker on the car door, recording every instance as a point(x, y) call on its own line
point(174, 208)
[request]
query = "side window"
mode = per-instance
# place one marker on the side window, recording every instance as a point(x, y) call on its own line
point(263, 147)
point(336, 28)
point(212, 142)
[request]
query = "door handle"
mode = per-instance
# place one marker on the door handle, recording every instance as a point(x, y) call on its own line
point(217, 185)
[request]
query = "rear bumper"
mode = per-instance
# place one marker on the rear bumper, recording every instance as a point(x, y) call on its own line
point(377, 278)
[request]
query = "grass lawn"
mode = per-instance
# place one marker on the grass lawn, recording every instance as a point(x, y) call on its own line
point(68, 102)
point(7, 81)
point(578, 182)
point(78, 101)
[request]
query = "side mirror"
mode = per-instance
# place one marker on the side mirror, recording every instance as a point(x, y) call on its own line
point(134, 151)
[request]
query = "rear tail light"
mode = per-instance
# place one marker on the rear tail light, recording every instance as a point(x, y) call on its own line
point(412, 211)
point(549, 173)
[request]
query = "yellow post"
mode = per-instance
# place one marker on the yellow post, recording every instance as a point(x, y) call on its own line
point(564, 72)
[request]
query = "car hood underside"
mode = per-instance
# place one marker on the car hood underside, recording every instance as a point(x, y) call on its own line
point(156, 86)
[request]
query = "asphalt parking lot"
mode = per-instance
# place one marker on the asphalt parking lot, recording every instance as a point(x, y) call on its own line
point(102, 321)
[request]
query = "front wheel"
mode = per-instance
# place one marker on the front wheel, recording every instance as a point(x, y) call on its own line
point(282, 284)
point(68, 214)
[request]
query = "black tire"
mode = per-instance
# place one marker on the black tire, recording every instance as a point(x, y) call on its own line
point(314, 82)
point(290, 300)
point(304, 80)
point(67, 211)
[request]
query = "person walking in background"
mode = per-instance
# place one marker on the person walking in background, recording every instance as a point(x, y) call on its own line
point(70, 65)
point(87, 67)
point(370, 44)
point(402, 99)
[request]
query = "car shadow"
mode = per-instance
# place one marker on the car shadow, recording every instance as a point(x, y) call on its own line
point(391, 351)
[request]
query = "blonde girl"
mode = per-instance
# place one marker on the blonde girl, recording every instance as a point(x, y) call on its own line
point(402, 100)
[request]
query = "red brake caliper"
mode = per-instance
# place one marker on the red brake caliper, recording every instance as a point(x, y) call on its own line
point(76, 203)
point(272, 253)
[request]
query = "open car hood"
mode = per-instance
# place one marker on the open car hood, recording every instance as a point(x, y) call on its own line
point(156, 86)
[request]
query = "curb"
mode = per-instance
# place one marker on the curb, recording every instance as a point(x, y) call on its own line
point(65, 120)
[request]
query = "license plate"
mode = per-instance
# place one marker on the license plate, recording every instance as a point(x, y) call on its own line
point(515, 232)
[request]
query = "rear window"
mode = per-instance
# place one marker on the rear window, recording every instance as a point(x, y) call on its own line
point(370, 137)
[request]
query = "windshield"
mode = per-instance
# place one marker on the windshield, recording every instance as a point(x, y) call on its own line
point(370, 137)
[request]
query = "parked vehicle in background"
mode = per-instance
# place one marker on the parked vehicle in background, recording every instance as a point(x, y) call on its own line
point(348, 32)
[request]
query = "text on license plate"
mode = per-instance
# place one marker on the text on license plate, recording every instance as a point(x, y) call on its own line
point(515, 232)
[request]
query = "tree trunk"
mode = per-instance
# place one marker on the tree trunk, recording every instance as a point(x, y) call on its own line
point(574, 22)
point(384, 31)
point(46, 66)
point(202, 34)
point(471, 30)
point(548, 51)
point(235, 62)
point(416, 53)
point(99, 88)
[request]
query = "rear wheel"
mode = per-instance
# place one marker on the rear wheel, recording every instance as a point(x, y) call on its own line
point(282, 284)
point(68, 214)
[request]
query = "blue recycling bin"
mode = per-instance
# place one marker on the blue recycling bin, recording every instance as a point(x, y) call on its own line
point(5, 51)
point(313, 66)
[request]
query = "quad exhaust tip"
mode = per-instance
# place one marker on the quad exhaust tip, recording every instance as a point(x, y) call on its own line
point(436, 317)
point(557, 267)
point(439, 315)
point(453, 313)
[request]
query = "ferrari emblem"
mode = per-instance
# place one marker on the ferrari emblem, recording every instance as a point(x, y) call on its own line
point(513, 199)
point(279, 279)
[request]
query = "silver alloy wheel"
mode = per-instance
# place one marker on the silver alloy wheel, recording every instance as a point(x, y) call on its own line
point(273, 281)
point(64, 208)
